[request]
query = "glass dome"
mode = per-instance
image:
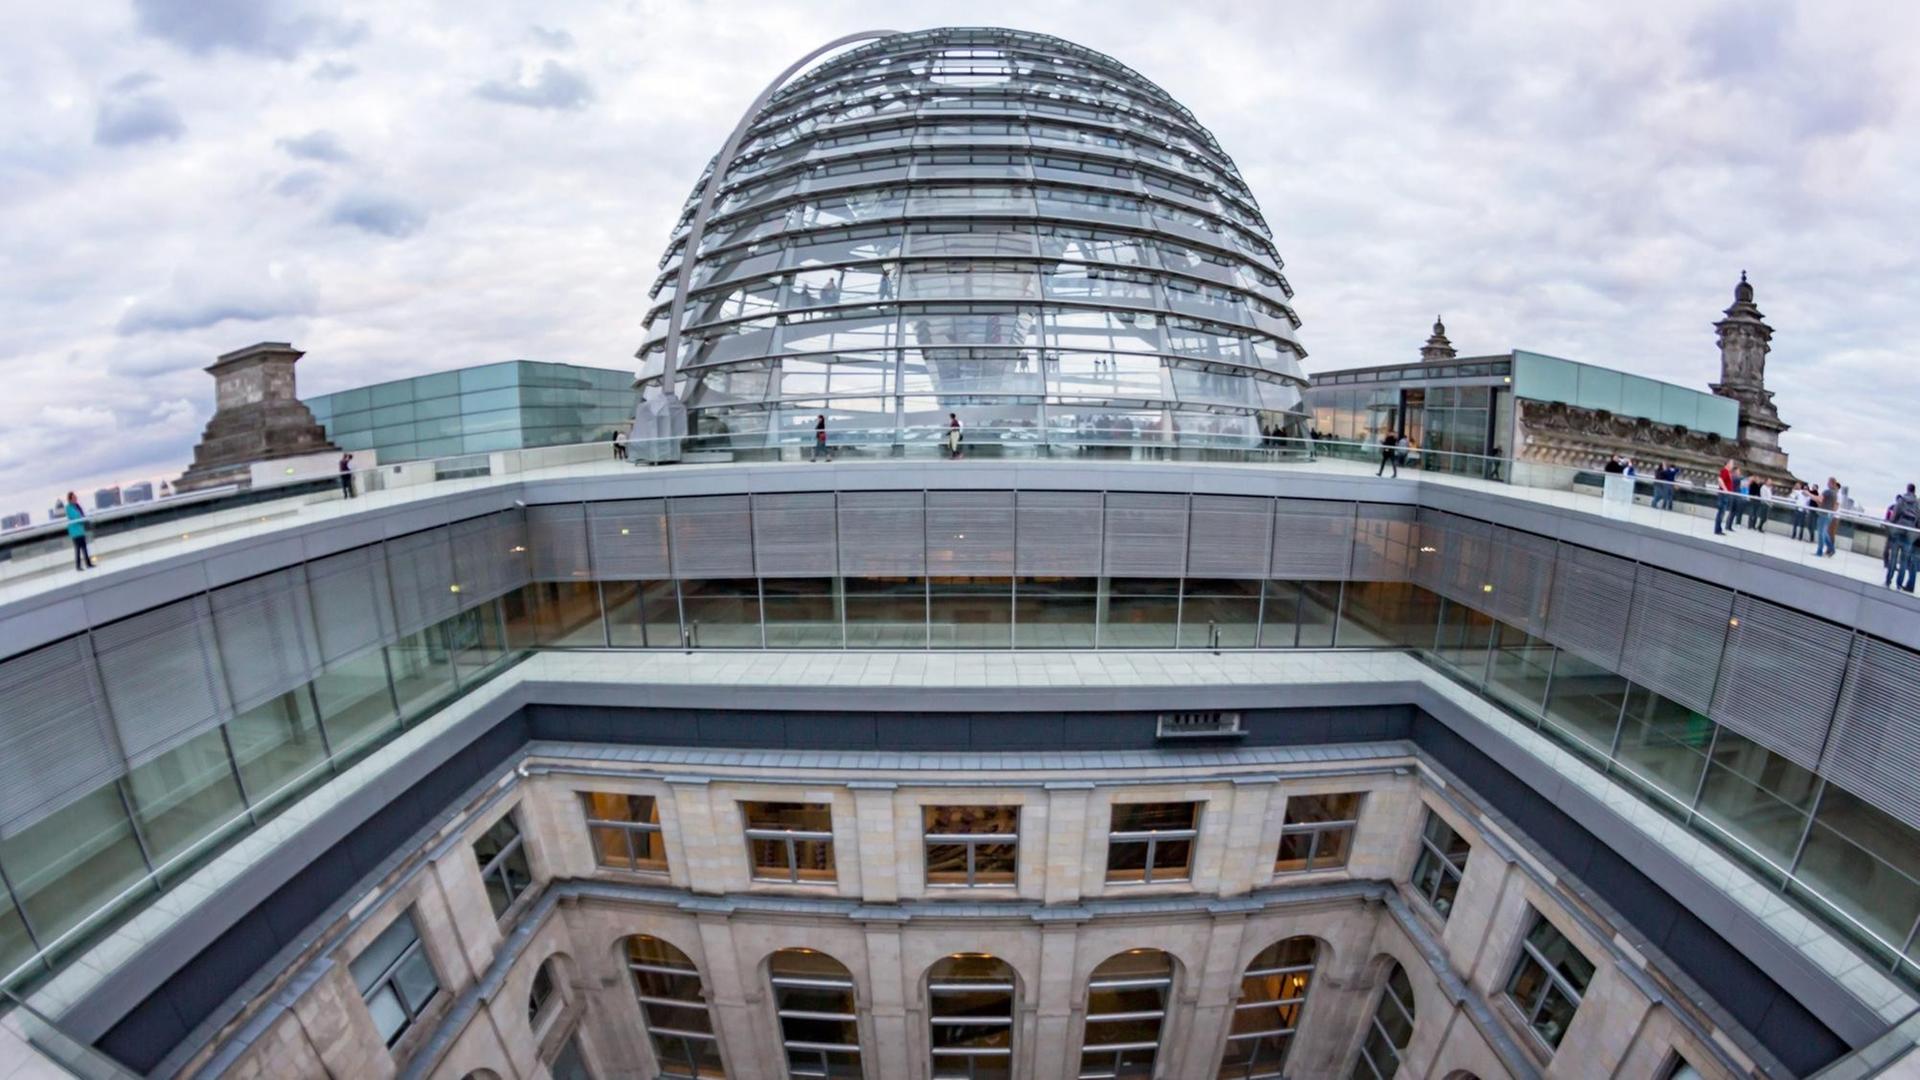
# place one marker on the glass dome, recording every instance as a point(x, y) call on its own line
point(1001, 226)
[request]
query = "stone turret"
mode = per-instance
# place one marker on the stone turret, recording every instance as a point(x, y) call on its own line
point(1437, 350)
point(1745, 339)
point(256, 417)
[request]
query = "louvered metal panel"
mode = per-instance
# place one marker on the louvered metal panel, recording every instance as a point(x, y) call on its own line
point(1452, 557)
point(882, 533)
point(1522, 579)
point(1675, 636)
point(1059, 533)
point(1874, 751)
point(970, 533)
point(1780, 678)
point(1592, 598)
point(160, 675)
point(628, 539)
point(557, 542)
point(57, 741)
point(794, 534)
point(489, 556)
point(1312, 541)
point(1146, 535)
point(268, 644)
point(1230, 536)
point(1468, 562)
point(712, 536)
point(1383, 542)
point(352, 607)
point(420, 571)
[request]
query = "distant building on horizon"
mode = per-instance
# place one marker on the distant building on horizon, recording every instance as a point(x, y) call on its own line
point(1527, 407)
point(510, 405)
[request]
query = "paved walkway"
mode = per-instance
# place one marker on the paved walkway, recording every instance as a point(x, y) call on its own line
point(146, 546)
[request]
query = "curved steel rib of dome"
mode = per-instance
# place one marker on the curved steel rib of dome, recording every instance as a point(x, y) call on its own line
point(988, 223)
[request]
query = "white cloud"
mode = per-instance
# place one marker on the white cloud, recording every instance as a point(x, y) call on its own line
point(552, 85)
point(1478, 159)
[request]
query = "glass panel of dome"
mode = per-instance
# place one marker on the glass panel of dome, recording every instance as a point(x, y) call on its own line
point(1215, 429)
point(839, 285)
point(968, 371)
point(1103, 331)
point(1105, 376)
point(969, 238)
point(843, 245)
point(860, 330)
point(971, 280)
point(1092, 281)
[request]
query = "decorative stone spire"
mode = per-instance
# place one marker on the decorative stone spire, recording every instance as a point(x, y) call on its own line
point(1437, 350)
point(1745, 340)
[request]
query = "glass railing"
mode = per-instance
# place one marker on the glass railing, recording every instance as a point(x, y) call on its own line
point(55, 1046)
point(1895, 1046)
point(1775, 527)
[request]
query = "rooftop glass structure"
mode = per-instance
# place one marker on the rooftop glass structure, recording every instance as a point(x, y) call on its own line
point(512, 405)
point(997, 225)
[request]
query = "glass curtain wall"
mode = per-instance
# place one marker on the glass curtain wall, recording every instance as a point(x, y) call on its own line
point(64, 878)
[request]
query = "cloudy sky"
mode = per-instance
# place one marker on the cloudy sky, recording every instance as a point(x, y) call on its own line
point(407, 186)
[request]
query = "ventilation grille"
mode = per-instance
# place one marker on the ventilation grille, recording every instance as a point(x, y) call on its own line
point(1199, 725)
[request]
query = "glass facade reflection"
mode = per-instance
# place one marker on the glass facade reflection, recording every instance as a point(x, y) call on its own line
point(993, 226)
point(514, 405)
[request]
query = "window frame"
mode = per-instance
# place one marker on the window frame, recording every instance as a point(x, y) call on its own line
point(788, 838)
point(389, 978)
point(628, 829)
point(1152, 839)
point(1530, 954)
point(965, 1057)
point(972, 842)
point(1255, 1069)
point(1431, 854)
point(781, 1014)
point(699, 1002)
point(537, 1001)
point(1375, 1027)
point(1315, 829)
point(497, 866)
point(1162, 983)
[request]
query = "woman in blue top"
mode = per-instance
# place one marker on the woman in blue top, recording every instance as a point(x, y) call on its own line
point(77, 529)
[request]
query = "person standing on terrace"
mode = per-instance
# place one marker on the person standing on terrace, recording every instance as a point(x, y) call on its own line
point(1728, 484)
point(1902, 519)
point(77, 531)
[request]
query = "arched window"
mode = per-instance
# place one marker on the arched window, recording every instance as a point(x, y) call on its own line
point(675, 1007)
point(813, 997)
point(1272, 993)
point(1126, 1006)
point(542, 990)
point(970, 1017)
point(1390, 1031)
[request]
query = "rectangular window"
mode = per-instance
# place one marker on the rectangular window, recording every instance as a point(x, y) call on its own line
point(1548, 981)
point(502, 854)
point(395, 978)
point(971, 845)
point(1152, 843)
point(1318, 832)
point(1443, 858)
point(790, 842)
point(625, 830)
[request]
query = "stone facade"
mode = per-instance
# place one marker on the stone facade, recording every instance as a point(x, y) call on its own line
point(884, 923)
point(257, 416)
point(1553, 433)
